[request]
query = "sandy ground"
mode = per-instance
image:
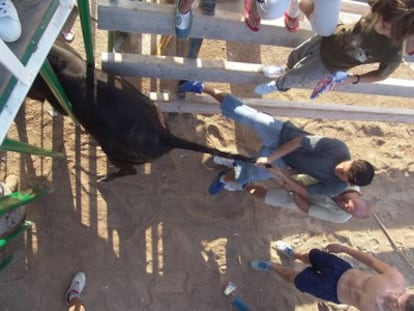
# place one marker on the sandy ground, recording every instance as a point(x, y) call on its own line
point(158, 240)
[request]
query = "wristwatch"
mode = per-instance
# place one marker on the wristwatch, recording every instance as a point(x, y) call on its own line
point(358, 78)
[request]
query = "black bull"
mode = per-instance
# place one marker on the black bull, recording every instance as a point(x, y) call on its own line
point(126, 124)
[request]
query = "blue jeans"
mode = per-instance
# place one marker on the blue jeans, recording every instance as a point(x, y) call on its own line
point(266, 127)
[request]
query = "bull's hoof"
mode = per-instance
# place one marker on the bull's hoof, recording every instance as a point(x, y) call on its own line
point(120, 173)
point(106, 178)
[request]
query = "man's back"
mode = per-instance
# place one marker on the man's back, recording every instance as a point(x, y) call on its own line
point(364, 290)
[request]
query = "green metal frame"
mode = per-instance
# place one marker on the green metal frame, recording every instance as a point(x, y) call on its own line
point(52, 81)
point(18, 146)
point(84, 14)
point(17, 199)
point(11, 202)
point(55, 86)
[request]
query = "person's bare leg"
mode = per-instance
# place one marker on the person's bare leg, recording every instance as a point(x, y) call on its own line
point(287, 274)
point(307, 7)
point(304, 257)
point(76, 304)
point(230, 176)
point(254, 17)
point(185, 6)
point(215, 93)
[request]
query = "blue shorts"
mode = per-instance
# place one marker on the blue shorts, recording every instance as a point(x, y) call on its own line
point(266, 127)
point(321, 279)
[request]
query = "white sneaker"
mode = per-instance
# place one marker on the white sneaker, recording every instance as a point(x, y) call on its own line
point(263, 89)
point(12, 182)
point(285, 248)
point(76, 287)
point(223, 161)
point(273, 71)
point(10, 27)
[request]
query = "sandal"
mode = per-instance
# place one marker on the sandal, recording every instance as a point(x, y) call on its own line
point(291, 23)
point(255, 26)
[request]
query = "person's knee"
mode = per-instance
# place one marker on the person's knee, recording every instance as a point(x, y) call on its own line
point(307, 7)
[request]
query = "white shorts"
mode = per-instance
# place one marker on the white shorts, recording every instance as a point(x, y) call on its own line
point(279, 197)
point(324, 17)
point(272, 9)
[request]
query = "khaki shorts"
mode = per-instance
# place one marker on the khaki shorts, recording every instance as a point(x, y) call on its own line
point(279, 197)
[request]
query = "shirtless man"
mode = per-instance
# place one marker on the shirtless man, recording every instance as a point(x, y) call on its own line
point(333, 279)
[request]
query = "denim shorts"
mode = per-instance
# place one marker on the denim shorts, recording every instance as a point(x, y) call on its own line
point(265, 126)
point(321, 279)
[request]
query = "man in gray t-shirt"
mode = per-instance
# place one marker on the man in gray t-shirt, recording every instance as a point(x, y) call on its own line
point(284, 145)
point(316, 156)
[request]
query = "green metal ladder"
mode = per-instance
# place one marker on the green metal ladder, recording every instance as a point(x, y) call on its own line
point(11, 202)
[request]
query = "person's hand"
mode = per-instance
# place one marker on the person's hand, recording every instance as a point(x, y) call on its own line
point(262, 161)
point(323, 306)
point(335, 248)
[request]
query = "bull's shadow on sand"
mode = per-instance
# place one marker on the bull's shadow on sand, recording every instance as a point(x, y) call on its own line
point(157, 240)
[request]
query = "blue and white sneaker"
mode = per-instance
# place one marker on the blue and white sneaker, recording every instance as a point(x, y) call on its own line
point(263, 89)
point(217, 185)
point(261, 265)
point(191, 86)
point(183, 22)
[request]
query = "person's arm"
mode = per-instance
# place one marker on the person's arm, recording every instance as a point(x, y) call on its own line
point(382, 73)
point(367, 259)
point(301, 203)
point(288, 182)
point(368, 77)
point(283, 150)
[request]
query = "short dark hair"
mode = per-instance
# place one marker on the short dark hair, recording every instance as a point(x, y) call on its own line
point(409, 303)
point(361, 173)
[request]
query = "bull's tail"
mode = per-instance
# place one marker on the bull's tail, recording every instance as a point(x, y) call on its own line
point(176, 142)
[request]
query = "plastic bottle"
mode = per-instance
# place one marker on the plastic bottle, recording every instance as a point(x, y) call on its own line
point(239, 304)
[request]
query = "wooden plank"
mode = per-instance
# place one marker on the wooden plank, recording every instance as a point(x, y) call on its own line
point(206, 105)
point(140, 17)
point(354, 7)
point(168, 67)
